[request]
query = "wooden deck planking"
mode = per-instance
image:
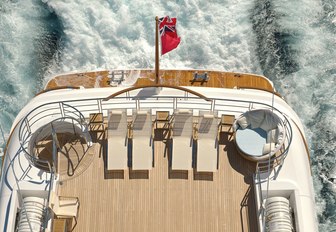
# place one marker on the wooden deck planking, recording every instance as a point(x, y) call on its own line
point(170, 77)
point(165, 201)
point(160, 203)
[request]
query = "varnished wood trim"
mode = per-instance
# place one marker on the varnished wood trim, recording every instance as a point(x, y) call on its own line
point(157, 86)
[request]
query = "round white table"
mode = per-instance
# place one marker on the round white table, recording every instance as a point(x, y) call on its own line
point(251, 141)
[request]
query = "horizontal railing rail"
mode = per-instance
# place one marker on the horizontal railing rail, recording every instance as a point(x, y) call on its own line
point(41, 116)
point(81, 108)
point(78, 111)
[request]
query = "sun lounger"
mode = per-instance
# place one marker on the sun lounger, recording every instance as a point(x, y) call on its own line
point(117, 140)
point(207, 152)
point(142, 149)
point(182, 140)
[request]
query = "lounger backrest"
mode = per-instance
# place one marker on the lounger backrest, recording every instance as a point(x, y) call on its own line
point(142, 123)
point(117, 123)
point(182, 123)
point(208, 125)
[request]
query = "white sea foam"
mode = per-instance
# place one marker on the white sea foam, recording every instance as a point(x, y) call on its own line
point(215, 35)
point(121, 35)
point(311, 91)
point(20, 26)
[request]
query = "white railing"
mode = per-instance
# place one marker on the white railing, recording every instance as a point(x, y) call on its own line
point(266, 166)
point(41, 116)
point(28, 222)
point(76, 111)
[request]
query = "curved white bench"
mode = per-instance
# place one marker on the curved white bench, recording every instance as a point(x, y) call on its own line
point(259, 134)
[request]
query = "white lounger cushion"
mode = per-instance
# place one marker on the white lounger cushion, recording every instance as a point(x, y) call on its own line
point(272, 136)
point(208, 116)
point(182, 154)
point(270, 121)
point(207, 155)
point(242, 121)
point(255, 117)
point(142, 112)
point(117, 154)
point(116, 112)
point(182, 135)
point(268, 147)
point(142, 150)
point(142, 156)
point(207, 143)
point(117, 140)
point(183, 111)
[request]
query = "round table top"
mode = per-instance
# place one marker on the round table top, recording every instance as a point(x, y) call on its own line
point(251, 141)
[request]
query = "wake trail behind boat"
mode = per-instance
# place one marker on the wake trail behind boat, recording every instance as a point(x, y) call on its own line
point(28, 40)
point(281, 40)
point(299, 60)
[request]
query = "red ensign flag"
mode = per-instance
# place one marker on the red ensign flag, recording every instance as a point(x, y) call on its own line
point(168, 34)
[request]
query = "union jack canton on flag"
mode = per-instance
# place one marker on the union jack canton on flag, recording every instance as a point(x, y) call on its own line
point(168, 34)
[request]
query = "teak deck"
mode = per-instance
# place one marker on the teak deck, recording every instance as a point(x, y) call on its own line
point(167, 77)
point(162, 200)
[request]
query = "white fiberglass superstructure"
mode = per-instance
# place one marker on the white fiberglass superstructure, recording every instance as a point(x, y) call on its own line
point(45, 135)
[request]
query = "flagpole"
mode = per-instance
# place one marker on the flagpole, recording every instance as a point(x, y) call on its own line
point(156, 50)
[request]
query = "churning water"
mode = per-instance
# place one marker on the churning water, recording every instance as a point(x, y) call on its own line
point(291, 42)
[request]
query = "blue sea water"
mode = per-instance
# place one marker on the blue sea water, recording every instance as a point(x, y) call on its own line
point(291, 42)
